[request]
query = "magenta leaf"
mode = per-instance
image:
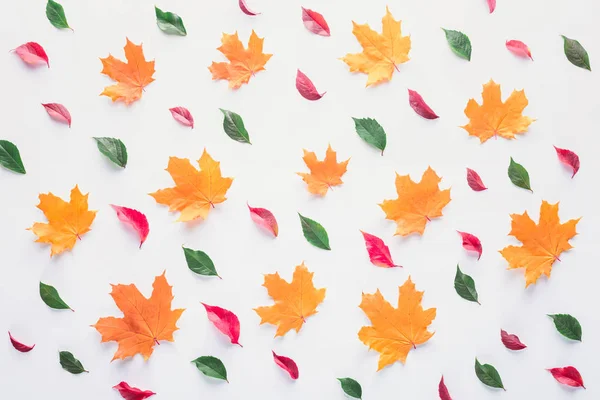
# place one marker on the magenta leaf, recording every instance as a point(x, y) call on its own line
point(510, 341)
point(474, 181)
point(225, 321)
point(132, 393)
point(306, 88)
point(491, 5)
point(567, 376)
point(58, 112)
point(182, 115)
point(418, 104)
point(471, 243)
point(265, 219)
point(287, 364)
point(23, 348)
point(568, 158)
point(379, 253)
point(135, 219)
point(245, 9)
point(314, 22)
point(32, 53)
point(443, 390)
point(518, 48)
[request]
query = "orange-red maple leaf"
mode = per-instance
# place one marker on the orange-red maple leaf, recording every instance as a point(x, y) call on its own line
point(323, 174)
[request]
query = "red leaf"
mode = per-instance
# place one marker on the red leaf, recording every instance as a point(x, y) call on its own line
point(182, 115)
point(306, 88)
point(491, 5)
point(135, 219)
point(511, 342)
point(265, 219)
point(314, 22)
point(287, 364)
point(518, 48)
point(379, 253)
point(568, 158)
point(418, 104)
point(131, 393)
point(245, 8)
point(443, 390)
point(567, 376)
point(58, 112)
point(32, 53)
point(225, 321)
point(474, 181)
point(23, 348)
point(471, 243)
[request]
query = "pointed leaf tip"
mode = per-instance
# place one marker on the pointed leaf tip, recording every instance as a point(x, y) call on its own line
point(379, 252)
point(351, 387)
point(132, 393)
point(474, 181)
point(183, 116)
point(10, 157)
point(443, 390)
point(465, 286)
point(58, 112)
point(418, 104)
point(569, 376)
point(265, 219)
point(23, 348)
point(32, 53)
point(471, 243)
point(518, 175)
point(306, 88)
point(518, 48)
point(287, 364)
point(134, 219)
point(488, 375)
point(245, 9)
point(568, 158)
point(225, 321)
point(314, 233)
point(212, 367)
point(315, 22)
point(510, 341)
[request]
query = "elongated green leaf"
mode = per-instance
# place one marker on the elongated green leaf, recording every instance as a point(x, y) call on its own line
point(488, 375)
point(70, 363)
point(10, 158)
point(465, 286)
point(51, 297)
point(211, 366)
point(56, 15)
point(169, 22)
point(314, 233)
point(518, 175)
point(567, 325)
point(199, 262)
point(234, 126)
point(459, 43)
point(351, 387)
point(576, 54)
point(113, 149)
point(371, 132)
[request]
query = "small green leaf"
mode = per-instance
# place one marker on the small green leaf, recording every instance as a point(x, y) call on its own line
point(576, 54)
point(199, 262)
point(314, 233)
point(234, 126)
point(51, 297)
point(371, 132)
point(465, 286)
point(10, 158)
point(488, 375)
point(351, 387)
point(114, 149)
point(70, 363)
point(459, 43)
point(169, 22)
point(211, 366)
point(56, 15)
point(518, 175)
point(567, 325)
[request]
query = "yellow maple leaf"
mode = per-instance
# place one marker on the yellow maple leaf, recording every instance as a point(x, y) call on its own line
point(495, 118)
point(417, 203)
point(67, 222)
point(542, 244)
point(195, 192)
point(243, 63)
point(323, 174)
point(382, 53)
point(294, 301)
point(394, 331)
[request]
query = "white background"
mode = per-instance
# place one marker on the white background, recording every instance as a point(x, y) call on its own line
point(563, 99)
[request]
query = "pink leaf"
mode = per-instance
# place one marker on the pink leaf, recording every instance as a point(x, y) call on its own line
point(314, 22)
point(471, 243)
point(518, 48)
point(23, 348)
point(135, 219)
point(265, 219)
point(306, 88)
point(183, 115)
point(474, 181)
point(443, 391)
point(491, 5)
point(287, 364)
point(567, 376)
point(379, 253)
point(245, 9)
point(568, 158)
point(511, 342)
point(131, 393)
point(225, 321)
point(418, 104)
point(58, 112)
point(32, 53)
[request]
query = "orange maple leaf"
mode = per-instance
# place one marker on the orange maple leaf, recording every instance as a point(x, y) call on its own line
point(495, 118)
point(417, 203)
point(132, 77)
point(542, 243)
point(323, 174)
point(145, 321)
point(67, 222)
point(243, 63)
point(382, 53)
point(294, 301)
point(394, 331)
point(195, 192)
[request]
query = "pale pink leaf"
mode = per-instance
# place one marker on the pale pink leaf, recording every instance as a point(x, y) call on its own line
point(568, 158)
point(245, 9)
point(510, 341)
point(315, 22)
point(491, 5)
point(135, 219)
point(32, 53)
point(23, 348)
point(418, 104)
point(379, 253)
point(287, 364)
point(443, 391)
point(225, 321)
point(518, 48)
point(471, 243)
point(567, 376)
point(182, 115)
point(58, 112)
point(474, 181)
point(132, 393)
point(265, 219)
point(306, 88)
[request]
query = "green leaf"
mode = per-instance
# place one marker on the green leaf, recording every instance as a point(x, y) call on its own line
point(70, 363)
point(351, 387)
point(459, 43)
point(169, 22)
point(10, 158)
point(518, 175)
point(371, 132)
point(211, 366)
point(114, 149)
point(56, 15)
point(488, 375)
point(567, 325)
point(234, 126)
point(576, 54)
point(465, 286)
point(51, 297)
point(199, 262)
point(314, 233)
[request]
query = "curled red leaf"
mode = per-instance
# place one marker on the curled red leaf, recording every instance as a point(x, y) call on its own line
point(135, 219)
point(568, 158)
point(443, 390)
point(491, 5)
point(567, 376)
point(287, 364)
point(306, 88)
point(518, 48)
point(379, 253)
point(471, 243)
point(474, 181)
point(265, 219)
point(32, 53)
point(245, 9)
point(182, 115)
point(418, 104)
point(225, 321)
point(58, 112)
point(510, 341)
point(23, 348)
point(132, 393)
point(315, 22)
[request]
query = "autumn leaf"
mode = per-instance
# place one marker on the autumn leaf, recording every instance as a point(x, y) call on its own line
point(195, 192)
point(417, 203)
point(382, 53)
point(67, 222)
point(323, 174)
point(394, 331)
point(496, 118)
point(145, 321)
point(132, 77)
point(542, 243)
point(294, 301)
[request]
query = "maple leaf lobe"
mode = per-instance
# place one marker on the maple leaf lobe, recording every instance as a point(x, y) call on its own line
point(323, 174)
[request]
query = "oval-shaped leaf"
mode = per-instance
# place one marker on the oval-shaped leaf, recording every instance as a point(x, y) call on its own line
point(211, 366)
point(474, 181)
point(315, 22)
point(371, 132)
point(459, 43)
point(518, 48)
point(56, 15)
point(443, 390)
point(135, 219)
point(234, 126)
point(183, 115)
point(113, 149)
point(287, 364)
point(51, 297)
point(132, 393)
point(199, 262)
point(379, 253)
point(418, 104)
point(225, 321)
point(471, 243)
point(23, 348)
point(518, 175)
point(568, 158)
point(567, 325)
point(488, 375)
point(465, 286)
point(306, 88)
point(576, 54)
point(245, 9)
point(169, 22)
point(265, 219)
point(10, 158)
point(511, 342)
point(58, 112)
point(70, 364)
point(314, 233)
point(569, 376)
point(351, 387)
point(32, 53)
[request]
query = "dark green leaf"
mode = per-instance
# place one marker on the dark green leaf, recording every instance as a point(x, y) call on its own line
point(488, 375)
point(567, 325)
point(459, 43)
point(114, 149)
point(70, 363)
point(211, 366)
point(10, 158)
point(371, 132)
point(518, 175)
point(234, 126)
point(169, 22)
point(314, 233)
point(199, 262)
point(465, 286)
point(576, 54)
point(351, 387)
point(56, 15)
point(51, 297)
